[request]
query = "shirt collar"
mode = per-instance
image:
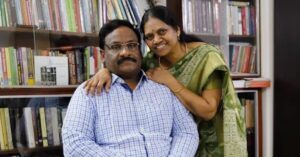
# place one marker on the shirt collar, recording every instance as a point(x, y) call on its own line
point(118, 79)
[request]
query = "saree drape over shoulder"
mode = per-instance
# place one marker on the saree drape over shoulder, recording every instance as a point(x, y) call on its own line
point(225, 134)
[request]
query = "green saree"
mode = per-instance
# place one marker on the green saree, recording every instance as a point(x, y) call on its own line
point(225, 134)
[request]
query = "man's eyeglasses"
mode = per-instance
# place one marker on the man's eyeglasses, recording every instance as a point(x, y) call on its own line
point(160, 32)
point(131, 46)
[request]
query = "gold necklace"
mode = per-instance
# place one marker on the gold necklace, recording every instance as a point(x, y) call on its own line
point(166, 68)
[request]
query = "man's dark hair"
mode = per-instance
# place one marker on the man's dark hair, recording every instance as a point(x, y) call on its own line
point(111, 26)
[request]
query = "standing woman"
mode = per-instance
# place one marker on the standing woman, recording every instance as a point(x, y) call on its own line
point(197, 74)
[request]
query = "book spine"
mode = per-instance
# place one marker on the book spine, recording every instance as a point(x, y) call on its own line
point(49, 125)
point(12, 116)
point(72, 67)
point(19, 66)
point(83, 29)
point(40, 18)
point(30, 66)
point(24, 65)
point(8, 128)
point(3, 132)
point(14, 66)
point(29, 127)
point(55, 126)
point(38, 127)
point(8, 66)
point(77, 16)
point(34, 125)
point(135, 10)
point(43, 126)
point(1, 70)
point(8, 13)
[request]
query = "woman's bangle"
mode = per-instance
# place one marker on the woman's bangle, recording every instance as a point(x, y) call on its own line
point(178, 89)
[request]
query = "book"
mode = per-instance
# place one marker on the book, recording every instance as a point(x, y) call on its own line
point(249, 112)
point(110, 10)
point(43, 126)
point(34, 124)
point(257, 82)
point(30, 67)
point(239, 83)
point(3, 134)
point(55, 126)
point(53, 64)
point(79, 66)
point(1, 70)
point(38, 127)
point(49, 125)
point(12, 116)
point(72, 67)
point(20, 127)
point(8, 128)
point(29, 127)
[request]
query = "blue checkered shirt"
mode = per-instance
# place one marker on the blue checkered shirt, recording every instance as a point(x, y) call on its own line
point(146, 122)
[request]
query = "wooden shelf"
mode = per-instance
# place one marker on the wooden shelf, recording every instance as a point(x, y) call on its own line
point(207, 37)
point(43, 31)
point(51, 150)
point(243, 75)
point(242, 38)
point(43, 39)
point(36, 90)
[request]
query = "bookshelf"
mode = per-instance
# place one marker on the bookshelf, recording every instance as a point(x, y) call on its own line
point(46, 38)
point(23, 132)
point(249, 100)
point(55, 32)
point(233, 25)
point(39, 39)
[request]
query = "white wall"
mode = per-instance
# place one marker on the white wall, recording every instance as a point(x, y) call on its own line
point(267, 71)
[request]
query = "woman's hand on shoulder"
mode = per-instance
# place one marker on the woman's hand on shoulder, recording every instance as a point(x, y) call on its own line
point(95, 84)
point(160, 75)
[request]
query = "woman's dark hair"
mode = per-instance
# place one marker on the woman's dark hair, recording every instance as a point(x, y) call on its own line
point(163, 14)
point(111, 26)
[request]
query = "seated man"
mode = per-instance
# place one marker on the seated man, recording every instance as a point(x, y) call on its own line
point(137, 117)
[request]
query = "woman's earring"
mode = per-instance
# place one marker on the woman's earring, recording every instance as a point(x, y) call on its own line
point(178, 37)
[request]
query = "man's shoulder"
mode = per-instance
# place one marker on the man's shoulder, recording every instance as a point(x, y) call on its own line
point(80, 90)
point(80, 87)
point(154, 85)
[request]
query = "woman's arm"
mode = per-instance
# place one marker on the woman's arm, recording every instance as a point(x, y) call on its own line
point(204, 105)
point(96, 83)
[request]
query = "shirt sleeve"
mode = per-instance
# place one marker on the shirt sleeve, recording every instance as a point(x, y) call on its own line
point(78, 129)
point(185, 137)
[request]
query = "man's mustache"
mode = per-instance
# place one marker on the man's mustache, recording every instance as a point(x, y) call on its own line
point(126, 59)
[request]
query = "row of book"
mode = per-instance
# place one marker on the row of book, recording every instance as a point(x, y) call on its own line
point(68, 15)
point(60, 15)
point(241, 18)
point(23, 66)
point(242, 57)
point(207, 19)
point(30, 127)
point(131, 10)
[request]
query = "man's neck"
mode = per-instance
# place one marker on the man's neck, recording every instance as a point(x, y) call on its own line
point(131, 84)
point(132, 81)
